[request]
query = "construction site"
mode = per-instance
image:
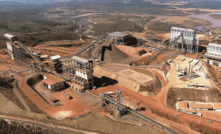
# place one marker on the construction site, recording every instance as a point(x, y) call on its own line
point(174, 85)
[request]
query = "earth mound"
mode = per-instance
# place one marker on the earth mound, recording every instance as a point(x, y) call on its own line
point(111, 54)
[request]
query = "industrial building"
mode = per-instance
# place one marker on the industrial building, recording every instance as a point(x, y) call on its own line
point(119, 37)
point(56, 63)
point(187, 43)
point(82, 73)
point(15, 51)
point(53, 83)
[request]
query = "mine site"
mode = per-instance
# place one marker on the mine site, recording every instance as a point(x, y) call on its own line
point(69, 67)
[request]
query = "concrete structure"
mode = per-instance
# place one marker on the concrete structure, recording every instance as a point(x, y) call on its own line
point(82, 73)
point(119, 37)
point(53, 83)
point(187, 43)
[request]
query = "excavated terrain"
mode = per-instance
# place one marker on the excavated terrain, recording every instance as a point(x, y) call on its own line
point(212, 95)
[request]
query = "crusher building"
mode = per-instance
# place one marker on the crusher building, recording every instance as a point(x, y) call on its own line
point(187, 43)
point(82, 73)
point(15, 51)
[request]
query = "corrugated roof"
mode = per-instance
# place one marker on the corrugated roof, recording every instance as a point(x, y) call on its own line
point(51, 79)
point(79, 59)
point(119, 34)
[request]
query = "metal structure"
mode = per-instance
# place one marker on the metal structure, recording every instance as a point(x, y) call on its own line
point(17, 50)
point(187, 43)
point(83, 72)
point(164, 49)
point(134, 112)
point(119, 101)
point(79, 71)
point(89, 45)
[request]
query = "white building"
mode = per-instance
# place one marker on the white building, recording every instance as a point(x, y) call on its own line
point(188, 42)
point(214, 50)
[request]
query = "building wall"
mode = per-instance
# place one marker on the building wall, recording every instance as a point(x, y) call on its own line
point(188, 34)
point(9, 47)
point(214, 49)
point(55, 87)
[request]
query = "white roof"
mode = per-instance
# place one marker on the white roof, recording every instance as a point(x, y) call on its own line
point(214, 44)
point(79, 59)
point(119, 34)
point(182, 28)
point(55, 57)
point(9, 36)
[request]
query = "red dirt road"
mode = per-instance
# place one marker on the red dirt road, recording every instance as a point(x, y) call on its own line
point(158, 103)
point(69, 109)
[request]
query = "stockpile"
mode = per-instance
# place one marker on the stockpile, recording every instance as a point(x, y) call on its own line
point(111, 54)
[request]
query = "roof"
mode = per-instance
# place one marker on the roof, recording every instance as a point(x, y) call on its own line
point(182, 104)
point(200, 106)
point(119, 34)
point(182, 28)
point(44, 56)
point(214, 44)
point(51, 79)
point(217, 106)
point(79, 59)
point(55, 57)
point(189, 110)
